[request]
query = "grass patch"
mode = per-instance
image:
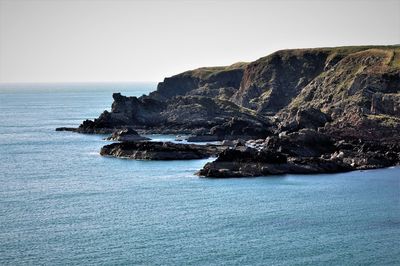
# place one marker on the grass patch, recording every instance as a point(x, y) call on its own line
point(207, 72)
point(385, 120)
point(394, 61)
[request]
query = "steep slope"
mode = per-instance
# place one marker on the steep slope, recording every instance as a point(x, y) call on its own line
point(221, 82)
point(270, 83)
point(360, 94)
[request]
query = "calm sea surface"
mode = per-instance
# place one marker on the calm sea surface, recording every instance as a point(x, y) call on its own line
point(61, 203)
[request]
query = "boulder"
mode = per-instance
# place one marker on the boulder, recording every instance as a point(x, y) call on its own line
point(126, 134)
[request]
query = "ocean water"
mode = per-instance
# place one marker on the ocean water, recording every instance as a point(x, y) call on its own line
point(61, 203)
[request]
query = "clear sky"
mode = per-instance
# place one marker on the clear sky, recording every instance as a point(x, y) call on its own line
point(121, 40)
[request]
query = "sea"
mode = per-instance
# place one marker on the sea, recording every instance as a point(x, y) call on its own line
point(61, 203)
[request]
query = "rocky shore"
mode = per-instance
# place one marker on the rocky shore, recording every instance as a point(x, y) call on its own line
point(317, 110)
point(303, 152)
point(160, 151)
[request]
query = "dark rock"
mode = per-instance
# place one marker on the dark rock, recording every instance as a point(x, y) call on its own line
point(159, 150)
point(179, 115)
point(311, 118)
point(241, 128)
point(296, 154)
point(203, 138)
point(307, 143)
point(304, 118)
point(388, 104)
point(235, 128)
point(251, 155)
point(126, 134)
point(368, 154)
point(304, 143)
point(236, 163)
point(73, 129)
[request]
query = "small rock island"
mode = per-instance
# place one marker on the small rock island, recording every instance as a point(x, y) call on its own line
point(320, 110)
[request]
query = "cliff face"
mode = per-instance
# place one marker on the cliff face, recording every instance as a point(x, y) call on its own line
point(271, 83)
point(180, 114)
point(360, 94)
point(344, 91)
point(219, 82)
point(353, 80)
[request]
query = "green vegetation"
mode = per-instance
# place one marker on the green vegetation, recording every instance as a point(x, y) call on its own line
point(207, 72)
point(385, 120)
point(394, 61)
point(331, 52)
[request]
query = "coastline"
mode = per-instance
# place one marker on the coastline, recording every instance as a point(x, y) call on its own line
point(318, 110)
point(57, 189)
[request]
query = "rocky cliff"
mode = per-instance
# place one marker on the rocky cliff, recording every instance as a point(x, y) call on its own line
point(347, 96)
point(359, 94)
point(220, 82)
point(343, 90)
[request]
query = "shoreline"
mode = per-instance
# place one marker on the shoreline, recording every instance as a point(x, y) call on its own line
point(318, 155)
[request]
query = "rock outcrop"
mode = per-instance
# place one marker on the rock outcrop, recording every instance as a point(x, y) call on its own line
point(236, 163)
point(195, 115)
point(303, 152)
point(214, 82)
point(233, 129)
point(126, 134)
point(160, 151)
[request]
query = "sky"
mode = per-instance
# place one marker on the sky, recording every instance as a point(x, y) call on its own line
point(124, 41)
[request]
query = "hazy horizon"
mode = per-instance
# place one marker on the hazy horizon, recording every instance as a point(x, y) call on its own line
point(121, 41)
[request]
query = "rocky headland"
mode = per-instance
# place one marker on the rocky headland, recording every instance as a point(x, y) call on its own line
point(300, 111)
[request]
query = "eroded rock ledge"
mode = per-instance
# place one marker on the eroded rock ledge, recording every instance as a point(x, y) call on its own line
point(306, 151)
point(303, 152)
point(126, 134)
point(160, 151)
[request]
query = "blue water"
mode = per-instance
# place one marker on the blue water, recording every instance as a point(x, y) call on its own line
point(61, 203)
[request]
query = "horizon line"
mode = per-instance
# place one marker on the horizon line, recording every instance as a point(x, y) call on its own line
point(74, 82)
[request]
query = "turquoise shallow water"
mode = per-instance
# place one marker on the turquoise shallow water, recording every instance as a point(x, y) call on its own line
point(61, 203)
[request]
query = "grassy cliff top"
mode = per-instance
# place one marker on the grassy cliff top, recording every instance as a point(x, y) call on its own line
point(331, 52)
point(206, 72)
point(337, 52)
